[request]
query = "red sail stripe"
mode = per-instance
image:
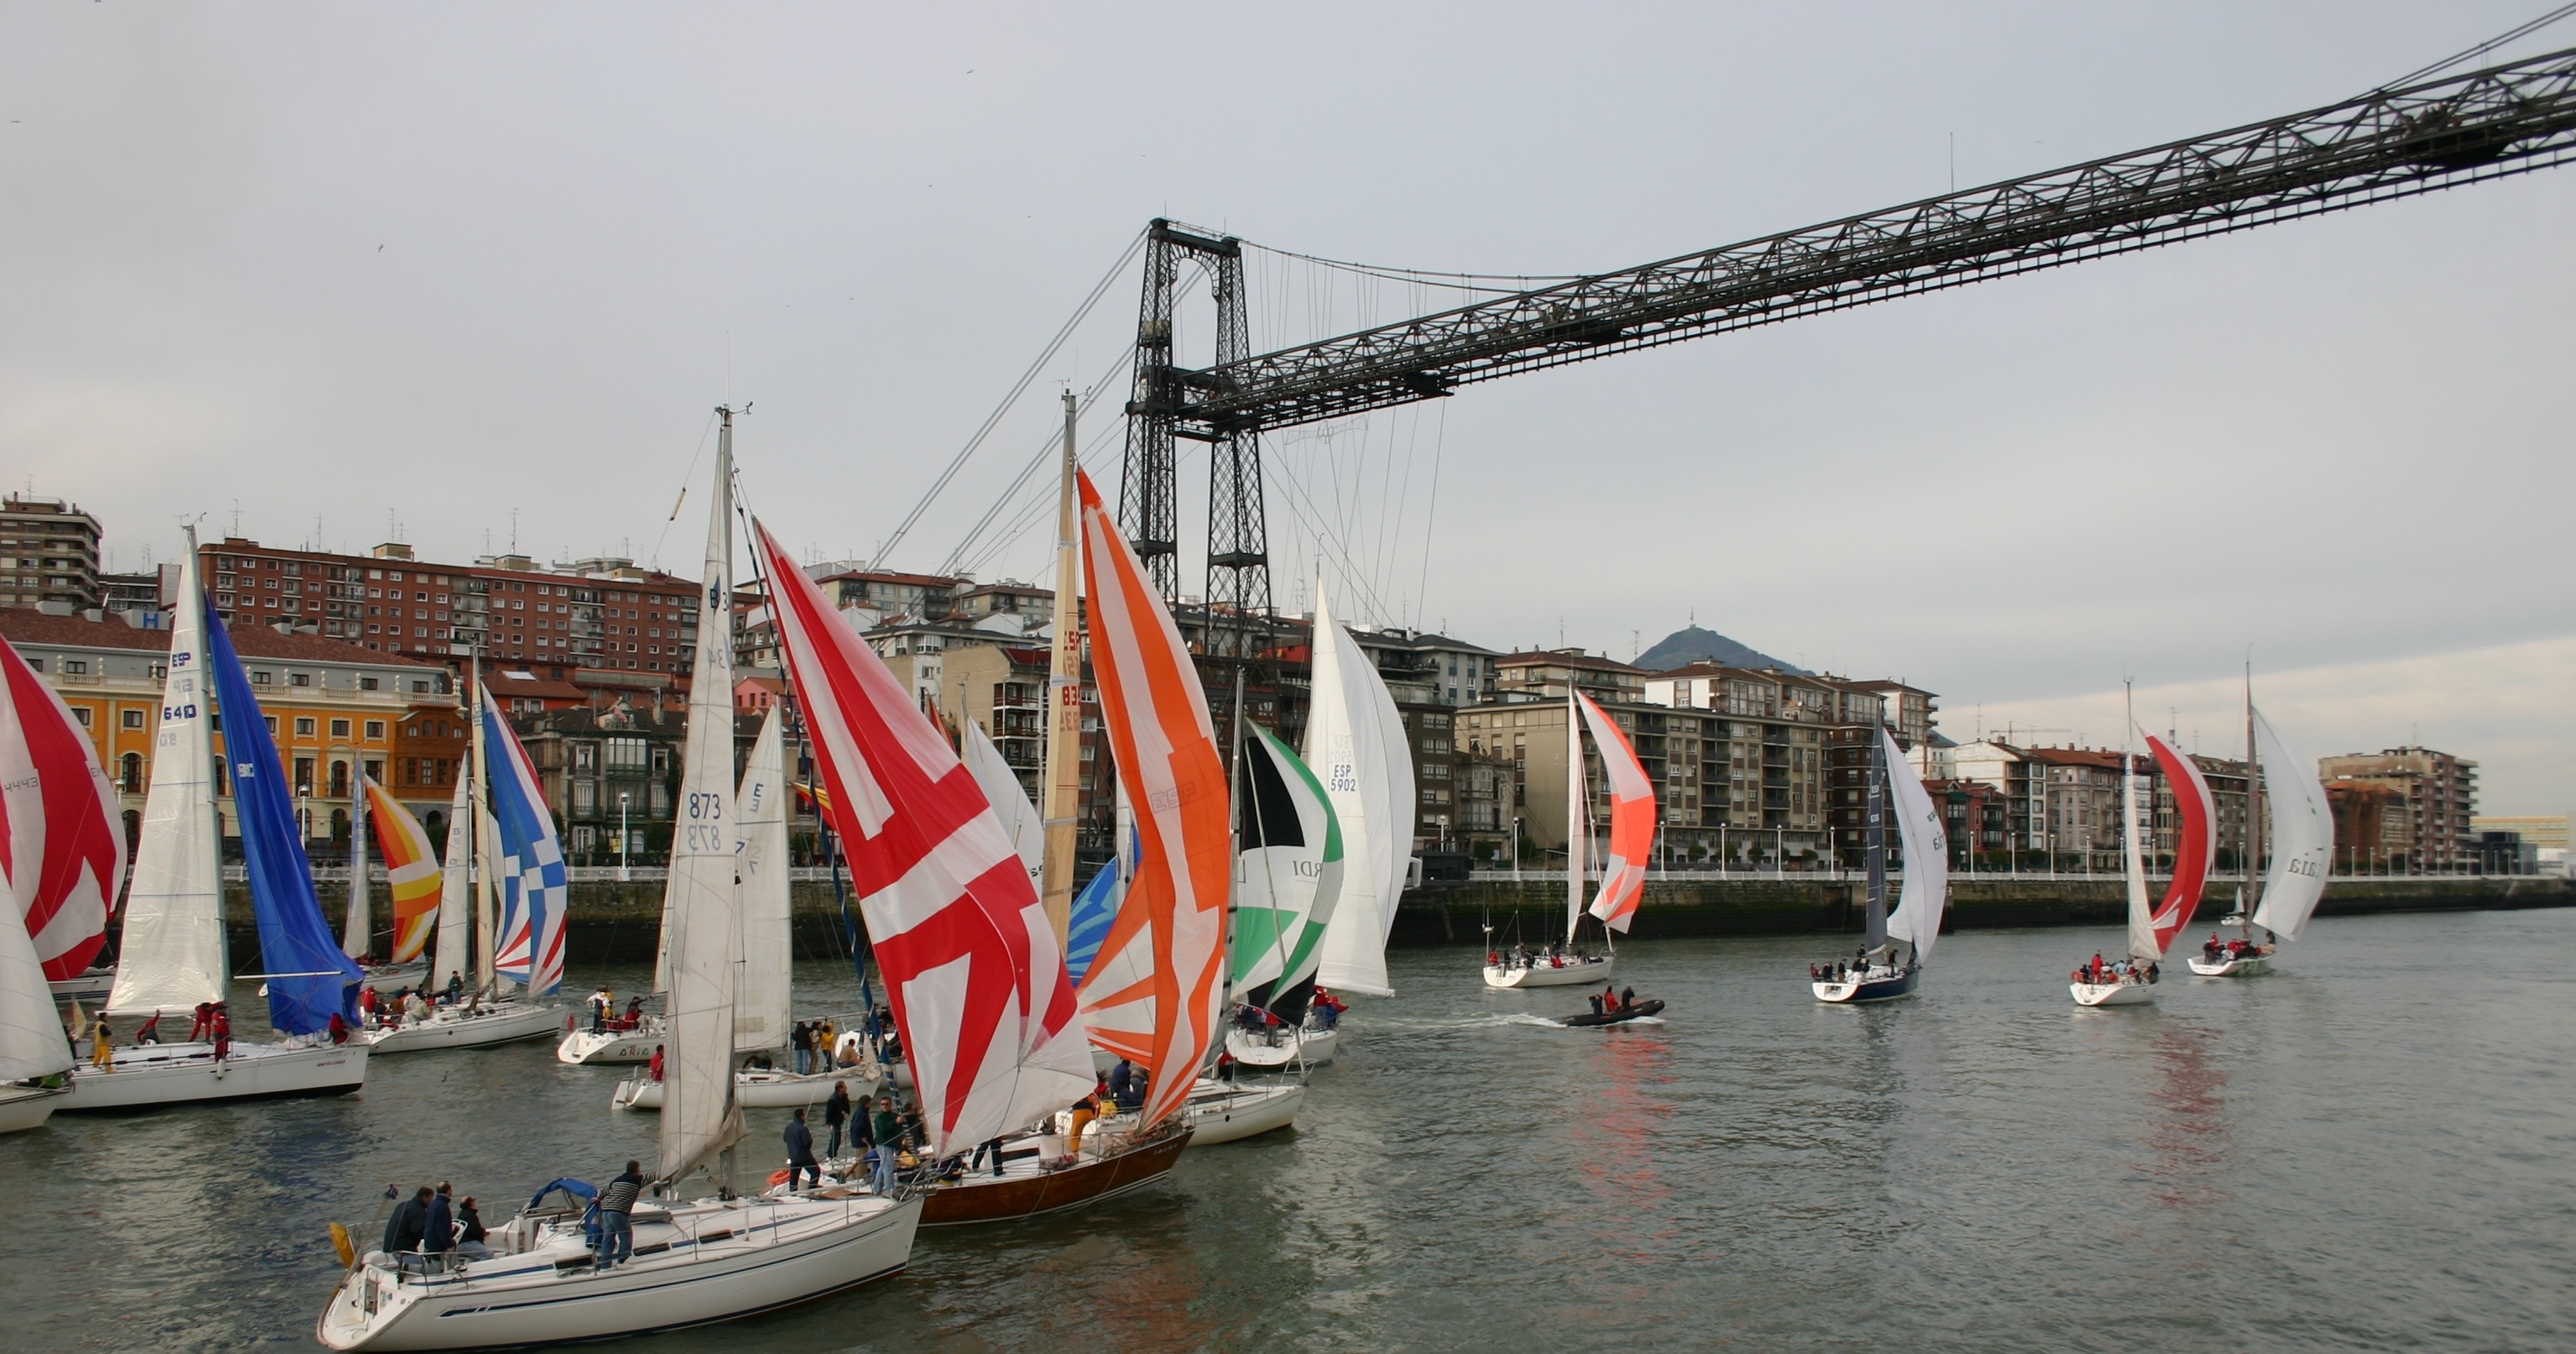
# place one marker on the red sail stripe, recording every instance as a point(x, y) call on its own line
point(82, 859)
point(2191, 856)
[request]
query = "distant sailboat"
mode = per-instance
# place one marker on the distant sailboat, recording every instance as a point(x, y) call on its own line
point(420, 889)
point(173, 957)
point(1288, 867)
point(62, 848)
point(1356, 742)
point(2294, 879)
point(1623, 865)
point(2151, 934)
point(1883, 972)
point(404, 968)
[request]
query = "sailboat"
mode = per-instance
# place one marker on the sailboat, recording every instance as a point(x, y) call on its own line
point(697, 1260)
point(404, 968)
point(2302, 852)
point(2151, 934)
point(62, 849)
point(57, 852)
point(1288, 865)
point(973, 966)
point(421, 891)
point(173, 957)
point(1357, 740)
point(762, 1006)
point(1623, 872)
point(1883, 972)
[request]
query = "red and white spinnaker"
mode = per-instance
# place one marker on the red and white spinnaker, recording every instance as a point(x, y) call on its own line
point(62, 850)
point(974, 971)
point(2191, 855)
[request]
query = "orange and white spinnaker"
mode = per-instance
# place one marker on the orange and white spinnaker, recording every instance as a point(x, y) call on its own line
point(1155, 993)
point(411, 865)
point(1632, 820)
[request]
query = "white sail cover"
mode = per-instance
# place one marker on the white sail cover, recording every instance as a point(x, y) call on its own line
point(454, 956)
point(173, 955)
point(972, 966)
point(2302, 834)
point(2142, 922)
point(1926, 852)
point(1009, 798)
point(760, 1010)
point(699, 1116)
point(1356, 741)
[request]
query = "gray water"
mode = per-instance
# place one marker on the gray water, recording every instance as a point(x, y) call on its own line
point(2368, 1150)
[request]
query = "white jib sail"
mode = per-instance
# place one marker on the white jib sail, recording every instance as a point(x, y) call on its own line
point(173, 955)
point(354, 938)
point(1578, 819)
point(2302, 834)
point(1010, 800)
point(2142, 924)
point(1926, 852)
point(455, 943)
point(699, 1116)
point(760, 1009)
point(1355, 740)
point(31, 1035)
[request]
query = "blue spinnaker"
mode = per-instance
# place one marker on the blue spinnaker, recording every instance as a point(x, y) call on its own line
point(1094, 908)
point(294, 938)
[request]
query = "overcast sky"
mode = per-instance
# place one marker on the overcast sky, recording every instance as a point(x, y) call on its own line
point(330, 266)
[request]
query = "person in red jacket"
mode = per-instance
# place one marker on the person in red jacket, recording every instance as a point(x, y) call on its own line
point(657, 1062)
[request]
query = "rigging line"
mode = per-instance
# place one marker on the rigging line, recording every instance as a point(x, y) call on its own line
point(1422, 590)
point(1323, 536)
point(2485, 47)
point(1424, 276)
point(1035, 510)
point(1045, 449)
point(655, 559)
point(958, 462)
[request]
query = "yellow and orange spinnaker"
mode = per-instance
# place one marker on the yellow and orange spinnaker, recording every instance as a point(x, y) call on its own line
point(413, 868)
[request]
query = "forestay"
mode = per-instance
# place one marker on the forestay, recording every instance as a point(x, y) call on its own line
point(1356, 742)
point(972, 966)
point(1155, 995)
point(1926, 852)
point(2302, 834)
point(172, 953)
point(1287, 878)
point(760, 1004)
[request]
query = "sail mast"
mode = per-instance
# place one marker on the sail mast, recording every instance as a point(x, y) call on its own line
point(355, 937)
point(487, 919)
point(2142, 927)
point(1062, 791)
point(2252, 862)
point(1578, 825)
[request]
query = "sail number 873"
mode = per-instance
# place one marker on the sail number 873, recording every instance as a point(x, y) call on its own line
point(705, 830)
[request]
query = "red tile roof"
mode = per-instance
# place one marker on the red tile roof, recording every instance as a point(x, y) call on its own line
point(26, 625)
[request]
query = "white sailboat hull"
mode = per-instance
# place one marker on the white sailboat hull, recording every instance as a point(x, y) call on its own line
point(1568, 973)
point(581, 1048)
point(457, 1027)
point(760, 1090)
point(177, 1074)
point(26, 1107)
point(718, 1262)
point(2242, 965)
point(1219, 1112)
point(1263, 1053)
point(2112, 994)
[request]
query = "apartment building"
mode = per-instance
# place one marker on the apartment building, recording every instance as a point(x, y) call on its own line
point(384, 601)
point(48, 553)
point(1421, 668)
point(2441, 794)
point(332, 707)
point(601, 615)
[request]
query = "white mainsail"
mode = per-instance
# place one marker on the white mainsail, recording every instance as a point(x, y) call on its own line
point(2142, 922)
point(455, 943)
point(1926, 846)
point(1010, 800)
point(2302, 834)
point(1356, 740)
point(760, 1000)
point(699, 1116)
point(173, 955)
point(354, 940)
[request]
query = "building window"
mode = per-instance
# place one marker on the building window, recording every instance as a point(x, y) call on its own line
point(133, 719)
point(303, 726)
point(259, 679)
point(375, 728)
point(339, 728)
point(80, 715)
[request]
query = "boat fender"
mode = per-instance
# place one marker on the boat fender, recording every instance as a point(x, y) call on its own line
point(340, 1242)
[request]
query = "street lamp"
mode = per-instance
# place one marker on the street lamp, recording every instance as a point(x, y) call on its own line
point(622, 875)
